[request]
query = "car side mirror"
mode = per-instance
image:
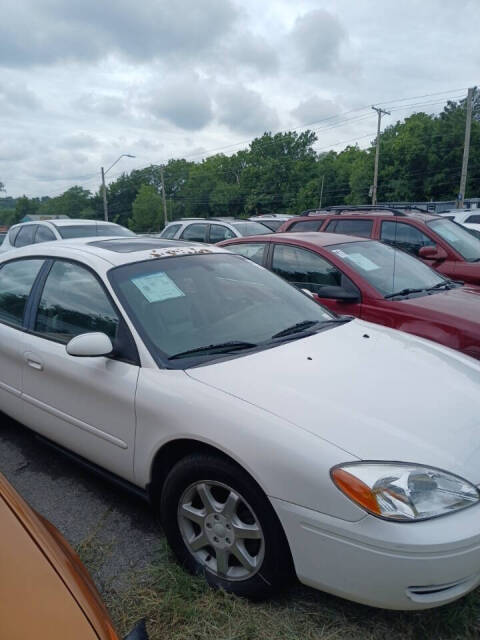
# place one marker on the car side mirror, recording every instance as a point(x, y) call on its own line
point(337, 293)
point(432, 253)
point(90, 345)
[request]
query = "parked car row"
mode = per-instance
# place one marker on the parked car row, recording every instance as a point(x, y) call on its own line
point(446, 246)
point(275, 437)
point(372, 281)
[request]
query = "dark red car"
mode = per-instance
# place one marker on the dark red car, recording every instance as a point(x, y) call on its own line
point(442, 244)
point(372, 281)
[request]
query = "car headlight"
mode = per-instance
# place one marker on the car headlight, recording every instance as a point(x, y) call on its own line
point(403, 492)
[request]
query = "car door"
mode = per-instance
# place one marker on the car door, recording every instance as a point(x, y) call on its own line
point(196, 232)
point(308, 270)
point(84, 404)
point(409, 238)
point(219, 232)
point(16, 281)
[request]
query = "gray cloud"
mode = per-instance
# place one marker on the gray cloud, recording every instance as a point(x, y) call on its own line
point(60, 30)
point(79, 141)
point(16, 95)
point(314, 109)
point(253, 51)
point(244, 110)
point(185, 103)
point(318, 36)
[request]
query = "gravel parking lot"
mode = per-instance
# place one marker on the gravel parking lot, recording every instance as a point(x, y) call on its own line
point(84, 507)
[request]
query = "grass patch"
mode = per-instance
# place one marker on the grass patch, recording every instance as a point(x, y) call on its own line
point(178, 606)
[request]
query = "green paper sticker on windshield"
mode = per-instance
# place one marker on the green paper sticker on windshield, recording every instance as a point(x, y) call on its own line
point(157, 287)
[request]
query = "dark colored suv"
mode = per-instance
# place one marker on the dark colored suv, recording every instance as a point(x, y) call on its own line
point(442, 244)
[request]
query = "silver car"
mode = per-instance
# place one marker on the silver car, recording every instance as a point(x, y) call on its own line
point(26, 233)
point(212, 230)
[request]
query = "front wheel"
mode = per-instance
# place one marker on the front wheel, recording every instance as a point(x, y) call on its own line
point(220, 524)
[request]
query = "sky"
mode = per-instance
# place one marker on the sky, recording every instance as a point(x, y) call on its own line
point(84, 81)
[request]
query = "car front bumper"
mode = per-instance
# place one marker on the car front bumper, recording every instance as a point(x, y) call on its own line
point(385, 564)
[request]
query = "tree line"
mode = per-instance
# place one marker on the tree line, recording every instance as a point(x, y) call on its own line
point(420, 159)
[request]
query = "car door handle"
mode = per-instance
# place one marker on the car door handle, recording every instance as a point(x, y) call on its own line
point(34, 361)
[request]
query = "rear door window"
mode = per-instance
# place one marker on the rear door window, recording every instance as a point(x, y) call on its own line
point(170, 231)
point(404, 236)
point(254, 251)
point(361, 228)
point(218, 233)
point(16, 281)
point(305, 225)
point(195, 233)
point(44, 234)
point(25, 235)
point(475, 219)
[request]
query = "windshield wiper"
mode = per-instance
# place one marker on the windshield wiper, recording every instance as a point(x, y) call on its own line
point(448, 283)
point(404, 292)
point(309, 324)
point(222, 347)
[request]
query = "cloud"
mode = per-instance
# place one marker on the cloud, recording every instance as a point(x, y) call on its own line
point(60, 30)
point(314, 109)
point(185, 103)
point(16, 95)
point(79, 141)
point(244, 110)
point(318, 36)
point(253, 51)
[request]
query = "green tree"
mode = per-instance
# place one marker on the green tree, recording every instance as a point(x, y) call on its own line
point(25, 207)
point(147, 210)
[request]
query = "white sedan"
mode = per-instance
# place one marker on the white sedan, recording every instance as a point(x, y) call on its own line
point(273, 437)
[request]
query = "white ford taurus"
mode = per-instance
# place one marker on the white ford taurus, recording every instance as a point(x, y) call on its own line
point(273, 437)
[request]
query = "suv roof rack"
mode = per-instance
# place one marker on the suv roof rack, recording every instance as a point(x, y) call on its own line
point(339, 209)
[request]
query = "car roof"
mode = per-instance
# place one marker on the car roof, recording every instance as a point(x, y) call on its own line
point(415, 215)
point(312, 238)
point(115, 250)
point(65, 222)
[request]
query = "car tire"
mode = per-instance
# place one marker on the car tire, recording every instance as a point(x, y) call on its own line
point(220, 525)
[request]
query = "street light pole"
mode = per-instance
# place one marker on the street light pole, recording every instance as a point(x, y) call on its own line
point(104, 188)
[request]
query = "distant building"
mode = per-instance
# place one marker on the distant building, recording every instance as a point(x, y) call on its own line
point(35, 218)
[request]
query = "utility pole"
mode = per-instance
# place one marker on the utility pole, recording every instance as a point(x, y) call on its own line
point(104, 194)
point(377, 152)
point(321, 193)
point(466, 151)
point(163, 196)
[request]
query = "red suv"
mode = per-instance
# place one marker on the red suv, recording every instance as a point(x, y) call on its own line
point(442, 244)
point(372, 281)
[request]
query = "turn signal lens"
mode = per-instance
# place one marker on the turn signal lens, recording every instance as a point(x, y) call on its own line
point(404, 492)
point(356, 490)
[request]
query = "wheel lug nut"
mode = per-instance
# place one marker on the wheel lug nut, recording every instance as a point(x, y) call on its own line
point(209, 526)
point(215, 539)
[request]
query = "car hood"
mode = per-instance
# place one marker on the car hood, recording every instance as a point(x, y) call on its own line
point(376, 393)
point(462, 303)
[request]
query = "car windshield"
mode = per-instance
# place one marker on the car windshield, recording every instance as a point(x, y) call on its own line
point(387, 269)
point(465, 243)
point(187, 303)
point(251, 228)
point(90, 230)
